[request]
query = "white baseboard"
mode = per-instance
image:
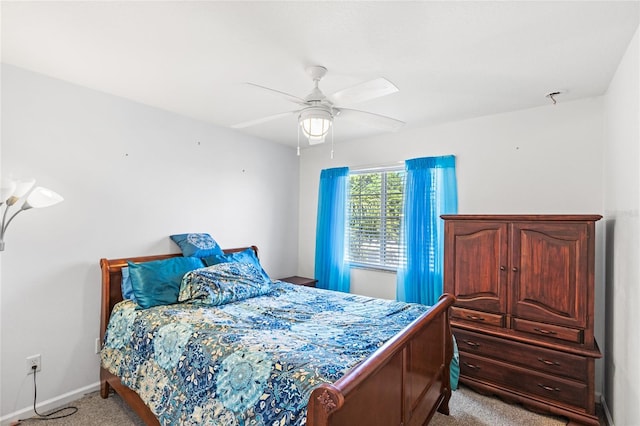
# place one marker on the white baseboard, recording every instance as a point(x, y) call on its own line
point(607, 413)
point(49, 404)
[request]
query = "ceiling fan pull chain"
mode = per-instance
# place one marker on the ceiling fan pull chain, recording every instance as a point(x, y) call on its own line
point(332, 142)
point(298, 140)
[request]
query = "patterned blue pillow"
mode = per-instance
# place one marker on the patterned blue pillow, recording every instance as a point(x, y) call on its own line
point(196, 245)
point(125, 287)
point(158, 282)
point(223, 283)
point(245, 256)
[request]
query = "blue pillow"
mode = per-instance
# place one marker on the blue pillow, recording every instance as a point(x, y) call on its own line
point(158, 282)
point(245, 256)
point(126, 288)
point(196, 245)
point(223, 283)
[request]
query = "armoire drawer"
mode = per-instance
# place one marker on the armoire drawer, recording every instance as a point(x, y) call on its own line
point(547, 330)
point(528, 356)
point(523, 380)
point(478, 317)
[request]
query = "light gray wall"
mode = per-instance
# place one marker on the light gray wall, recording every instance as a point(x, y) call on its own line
point(622, 206)
point(131, 176)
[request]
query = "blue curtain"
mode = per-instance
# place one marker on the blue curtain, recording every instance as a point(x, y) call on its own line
point(331, 269)
point(430, 190)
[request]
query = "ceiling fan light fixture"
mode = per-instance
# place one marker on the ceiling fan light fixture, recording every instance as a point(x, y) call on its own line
point(315, 123)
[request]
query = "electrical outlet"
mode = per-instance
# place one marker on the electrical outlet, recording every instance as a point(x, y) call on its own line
point(34, 361)
point(98, 347)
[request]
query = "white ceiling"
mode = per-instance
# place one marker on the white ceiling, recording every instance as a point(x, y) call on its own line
point(451, 60)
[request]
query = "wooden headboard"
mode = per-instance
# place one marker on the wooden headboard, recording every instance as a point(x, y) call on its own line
point(112, 280)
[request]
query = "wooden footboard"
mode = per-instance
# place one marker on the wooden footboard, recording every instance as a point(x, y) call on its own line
point(403, 383)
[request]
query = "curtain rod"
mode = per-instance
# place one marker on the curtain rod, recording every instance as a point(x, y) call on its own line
point(376, 167)
point(383, 166)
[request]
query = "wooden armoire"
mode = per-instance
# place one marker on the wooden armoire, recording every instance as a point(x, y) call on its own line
point(523, 318)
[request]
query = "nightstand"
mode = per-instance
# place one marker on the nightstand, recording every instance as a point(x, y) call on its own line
point(309, 282)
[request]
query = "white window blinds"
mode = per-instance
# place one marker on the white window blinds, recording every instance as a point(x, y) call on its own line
point(375, 217)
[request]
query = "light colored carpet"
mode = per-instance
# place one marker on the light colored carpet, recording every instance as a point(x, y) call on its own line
point(467, 408)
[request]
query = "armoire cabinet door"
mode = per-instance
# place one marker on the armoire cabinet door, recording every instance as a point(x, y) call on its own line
point(476, 264)
point(549, 272)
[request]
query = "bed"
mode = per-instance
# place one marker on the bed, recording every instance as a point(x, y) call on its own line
point(401, 381)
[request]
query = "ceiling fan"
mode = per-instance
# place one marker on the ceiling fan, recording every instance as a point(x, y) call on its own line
point(318, 111)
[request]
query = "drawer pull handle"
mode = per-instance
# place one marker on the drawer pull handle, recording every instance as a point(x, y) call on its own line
point(471, 366)
point(475, 318)
point(547, 362)
point(542, 331)
point(549, 388)
point(472, 344)
point(502, 268)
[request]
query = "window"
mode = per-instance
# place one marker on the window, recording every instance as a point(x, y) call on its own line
point(375, 218)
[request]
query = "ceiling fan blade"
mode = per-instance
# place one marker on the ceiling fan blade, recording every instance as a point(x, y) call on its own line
point(262, 120)
point(370, 118)
point(287, 96)
point(363, 92)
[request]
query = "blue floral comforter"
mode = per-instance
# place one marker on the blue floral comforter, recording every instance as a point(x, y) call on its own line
point(251, 361)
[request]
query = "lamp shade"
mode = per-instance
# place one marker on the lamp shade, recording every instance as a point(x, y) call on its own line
point(12, 191)
point(7, 188)
point(22, 187)
point(315, 124)
point(42, 197)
